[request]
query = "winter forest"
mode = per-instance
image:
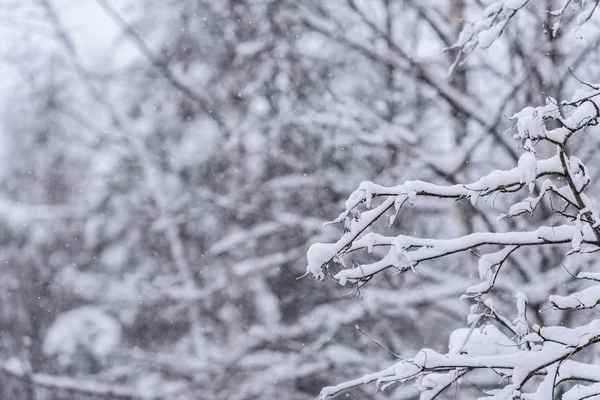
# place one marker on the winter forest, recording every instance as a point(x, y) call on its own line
point(299, 199)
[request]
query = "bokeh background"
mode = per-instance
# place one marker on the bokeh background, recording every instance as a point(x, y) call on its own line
point(164, 166)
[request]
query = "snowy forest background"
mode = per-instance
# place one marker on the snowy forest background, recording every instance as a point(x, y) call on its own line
point(165, 166)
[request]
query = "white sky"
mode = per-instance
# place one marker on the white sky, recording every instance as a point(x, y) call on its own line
point(22, 29)
point(95, 34)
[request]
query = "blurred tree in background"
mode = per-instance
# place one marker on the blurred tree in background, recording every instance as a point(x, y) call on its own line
point(165, 165)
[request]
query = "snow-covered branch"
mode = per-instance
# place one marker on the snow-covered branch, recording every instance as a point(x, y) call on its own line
point(531, 361)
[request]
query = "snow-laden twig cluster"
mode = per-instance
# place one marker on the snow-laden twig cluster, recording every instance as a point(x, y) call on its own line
point(497, 15)
point(527, 361)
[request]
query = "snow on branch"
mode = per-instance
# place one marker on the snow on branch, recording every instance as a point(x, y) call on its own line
point(483, 32)
point(530, 361)
point(487, 348)
point(497, 181)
